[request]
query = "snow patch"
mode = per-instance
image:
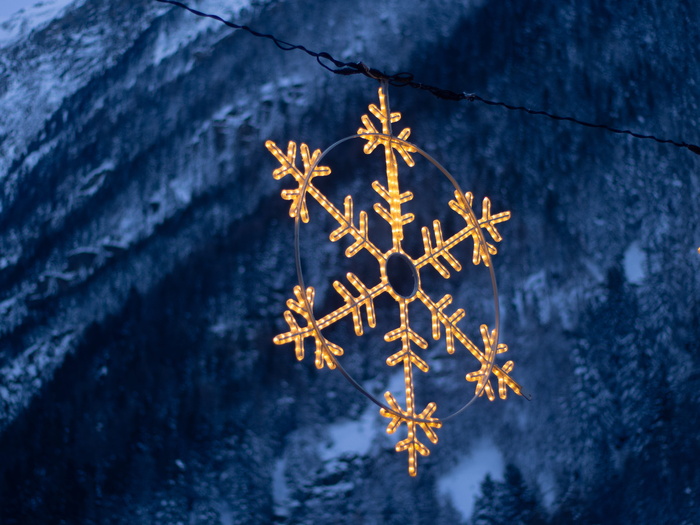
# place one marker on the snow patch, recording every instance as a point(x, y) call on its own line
point(106, 166)
point(94, 180)
point(182, 189)
point(461, 485)
point(548, 488)
point(350, 437)
point(25, 374)
point(280, 490)
point(173, 38)
point(20, 17)
point(594, 270)
point(536, 295)
point(292, 89)
point(8, 261)
point(634, 262)
point(7, 304)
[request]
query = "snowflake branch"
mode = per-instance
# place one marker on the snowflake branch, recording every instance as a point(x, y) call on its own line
point(288, 167)
point(392, 194)
point(406, 335)
point(439, 317)
point(411, 443)
point(487, 222)
point(345, 219)
point(481, 376)
point(452, 332)
point(298, 334)
point(360, 234)
point(354, 304)
point(442, 247)
point(409, 359)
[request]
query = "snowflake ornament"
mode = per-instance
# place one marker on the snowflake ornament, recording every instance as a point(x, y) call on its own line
point(359, 297)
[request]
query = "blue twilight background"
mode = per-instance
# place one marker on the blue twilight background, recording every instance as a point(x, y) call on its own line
point(146, 256)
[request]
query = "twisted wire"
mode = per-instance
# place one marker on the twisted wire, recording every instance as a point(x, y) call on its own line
point(407, 79)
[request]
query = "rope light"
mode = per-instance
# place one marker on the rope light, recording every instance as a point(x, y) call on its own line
point(407, 79)
point(359, 304)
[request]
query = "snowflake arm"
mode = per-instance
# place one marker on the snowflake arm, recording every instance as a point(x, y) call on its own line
point(353, 305)
point(365, 299)
point(487, 222)
point(311, 170)
point(442, 247)
point(453, 332)
point(391, 194)
point(399, 416)
point(481, 376)
point(297, 334)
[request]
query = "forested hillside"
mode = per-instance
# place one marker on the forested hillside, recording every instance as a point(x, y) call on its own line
point(146, 258)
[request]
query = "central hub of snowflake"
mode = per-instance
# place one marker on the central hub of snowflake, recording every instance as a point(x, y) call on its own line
point(399, 277)
point(401, 274)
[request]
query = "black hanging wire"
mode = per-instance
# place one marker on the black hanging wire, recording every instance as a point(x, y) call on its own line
point(407, 79)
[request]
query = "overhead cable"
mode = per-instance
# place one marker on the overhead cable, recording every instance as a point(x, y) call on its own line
point(407, 79)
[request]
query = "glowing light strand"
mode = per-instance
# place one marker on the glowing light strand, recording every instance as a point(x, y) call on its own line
point(354, 305)
point(407, 79)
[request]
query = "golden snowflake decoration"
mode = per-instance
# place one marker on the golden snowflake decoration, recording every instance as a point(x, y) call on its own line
point(437, 254)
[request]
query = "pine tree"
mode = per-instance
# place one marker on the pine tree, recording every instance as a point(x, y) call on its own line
point(519, 503)
point(510, 501)
point(486, 505)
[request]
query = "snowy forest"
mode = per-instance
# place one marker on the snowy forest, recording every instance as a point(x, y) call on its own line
point(147, 259)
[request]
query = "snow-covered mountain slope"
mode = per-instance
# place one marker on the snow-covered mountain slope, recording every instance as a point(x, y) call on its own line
point(146, 257)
